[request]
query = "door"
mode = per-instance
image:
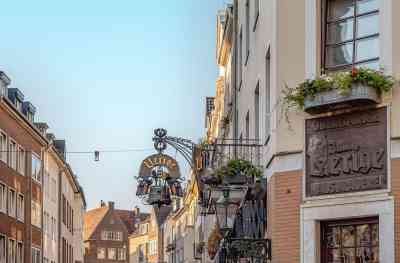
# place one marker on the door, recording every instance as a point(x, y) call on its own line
point(350, 241)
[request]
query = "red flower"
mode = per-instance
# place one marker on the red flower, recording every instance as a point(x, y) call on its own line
point(354, 72)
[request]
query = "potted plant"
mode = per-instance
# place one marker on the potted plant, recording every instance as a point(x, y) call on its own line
point(238, 172)
point(339, 90)
point(213, 242)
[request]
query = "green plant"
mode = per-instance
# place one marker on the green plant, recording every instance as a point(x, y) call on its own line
point(235, 167)
point(342, 81)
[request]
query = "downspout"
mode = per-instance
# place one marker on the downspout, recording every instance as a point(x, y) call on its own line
point(234, 75)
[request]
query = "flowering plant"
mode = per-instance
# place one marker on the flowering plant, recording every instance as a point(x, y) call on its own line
point(342, 81)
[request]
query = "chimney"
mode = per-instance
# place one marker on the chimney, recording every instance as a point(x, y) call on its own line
point(50, 136)
point(111, 204)
point(4, 82)
point(42, 126)
point(102, 204)
point(136, 210)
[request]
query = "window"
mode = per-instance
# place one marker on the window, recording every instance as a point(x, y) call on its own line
point(36, 168)
point(111, 253)
point(36, 214)
point(20, 208)
point(3, 249)
point(256, 13)
point(267, 96)
point(3, 147)
point(247, 30)
point(36, 255)
point(53, 228)
point(12, 150)
point(21, 160)
point(257, 112)
point(11, 203)
point(11, 251)
point(20, 252)
point(351, 34)
point(153, 247)
point(3, 198)
point(111, 235)
point(101, 253)
point(121, 254)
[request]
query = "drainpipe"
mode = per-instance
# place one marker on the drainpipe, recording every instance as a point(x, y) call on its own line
point(234, 75)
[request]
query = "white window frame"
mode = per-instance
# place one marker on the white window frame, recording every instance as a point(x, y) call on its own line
point(20, 254)
point(37, 177)
point(21, 159)
point(109, 254)
point(121, 254)
point(3, 258)
point(36, 252)
point(20, 212)
point(12, 206)
point(4, 193)
point(4, 147)
point(36, 211)
point(103, 256)
point(11, 254)
point(12, 153)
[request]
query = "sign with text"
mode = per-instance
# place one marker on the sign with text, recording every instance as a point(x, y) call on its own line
point(346, 153)
point(157, 161)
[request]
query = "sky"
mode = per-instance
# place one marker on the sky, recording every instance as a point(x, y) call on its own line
point(104, 74)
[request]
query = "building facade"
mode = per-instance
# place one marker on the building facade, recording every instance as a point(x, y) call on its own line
point(332, 176)
point(107, 231)
point(21, 179)
point(31, 175)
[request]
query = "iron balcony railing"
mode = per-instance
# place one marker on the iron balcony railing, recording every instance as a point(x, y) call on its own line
point(223, 150)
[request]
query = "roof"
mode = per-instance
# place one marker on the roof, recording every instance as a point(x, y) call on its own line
point(92, 219)
point(129, 219)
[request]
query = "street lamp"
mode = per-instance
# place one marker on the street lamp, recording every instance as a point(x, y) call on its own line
point(227, 206)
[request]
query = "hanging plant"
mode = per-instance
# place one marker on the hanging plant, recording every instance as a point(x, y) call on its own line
point(238, 167)
point(341, 81)
point(213, 242)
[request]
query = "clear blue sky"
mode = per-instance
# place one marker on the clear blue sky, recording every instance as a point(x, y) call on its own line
point(104, 74)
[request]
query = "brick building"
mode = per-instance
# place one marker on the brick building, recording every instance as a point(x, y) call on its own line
point(21, 195)
point(106, 232)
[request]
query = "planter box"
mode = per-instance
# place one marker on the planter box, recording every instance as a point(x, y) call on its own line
point(239, 179)
point(359, 95)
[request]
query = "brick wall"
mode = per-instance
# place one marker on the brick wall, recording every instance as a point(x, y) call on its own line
point(284, 198)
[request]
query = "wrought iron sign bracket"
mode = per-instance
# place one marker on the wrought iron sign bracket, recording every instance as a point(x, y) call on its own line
point(184, 146)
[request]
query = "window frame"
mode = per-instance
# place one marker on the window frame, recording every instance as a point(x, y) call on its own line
point(12, 153)
point(109, 254)
point(5, 255)
point(4, 151)
point(324, 37)
point(19, 161)
point(104, 253)
point(20, 256)
point(36, 179)
point(3, 207)
point(14, 214)
point(12, 246)
point(18, 215)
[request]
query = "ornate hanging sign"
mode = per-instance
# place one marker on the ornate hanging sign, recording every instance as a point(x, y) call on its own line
point(346, 153)
point(160, 160)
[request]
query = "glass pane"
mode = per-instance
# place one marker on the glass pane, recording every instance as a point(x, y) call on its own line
point(364, 6)
point(367, 25)
point(348, 236)
point(334, 256)
point(339, 55)
point(368, 254)
point(367, 49)
point(338, 9)
point(349, 255)
point(371, 65)
point(375, 234)
point(333, 237)
point(340, 32)
point(363, 235)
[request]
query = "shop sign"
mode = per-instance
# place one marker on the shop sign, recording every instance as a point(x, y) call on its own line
point(157, 161)
point(346, 153)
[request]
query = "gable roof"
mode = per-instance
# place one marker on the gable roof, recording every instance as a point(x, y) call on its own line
point(130, 219)
point(92, 219)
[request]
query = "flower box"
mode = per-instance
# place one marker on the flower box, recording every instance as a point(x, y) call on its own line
point(358, 95)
